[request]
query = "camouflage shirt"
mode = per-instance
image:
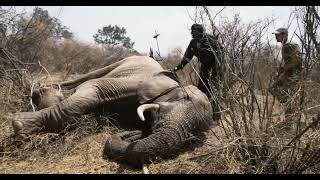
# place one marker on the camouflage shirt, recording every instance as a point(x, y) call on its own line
point(205, 49)
point(291, 58)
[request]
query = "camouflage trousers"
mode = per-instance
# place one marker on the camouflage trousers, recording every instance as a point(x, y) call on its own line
point(284, 86)
point(283, 89)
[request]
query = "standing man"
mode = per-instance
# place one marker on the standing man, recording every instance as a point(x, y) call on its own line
point(289, 72)
point(209, 52)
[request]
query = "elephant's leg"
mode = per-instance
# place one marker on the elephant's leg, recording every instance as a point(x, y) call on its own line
point(89, 96)
point(54, 117)
point(92, 75)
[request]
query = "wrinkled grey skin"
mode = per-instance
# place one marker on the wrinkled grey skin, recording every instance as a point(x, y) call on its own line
point(122, 87)
point(46, 96)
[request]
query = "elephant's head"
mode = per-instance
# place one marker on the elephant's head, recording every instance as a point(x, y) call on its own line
point(175, 118)
point(46, 96)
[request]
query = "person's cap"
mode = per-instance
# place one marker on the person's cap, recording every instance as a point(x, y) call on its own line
point(281, 30)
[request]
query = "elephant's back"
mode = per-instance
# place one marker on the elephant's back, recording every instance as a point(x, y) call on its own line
point(135, 66)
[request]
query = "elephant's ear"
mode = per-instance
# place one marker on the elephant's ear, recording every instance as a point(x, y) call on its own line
point(148, 91)
point(170, 74)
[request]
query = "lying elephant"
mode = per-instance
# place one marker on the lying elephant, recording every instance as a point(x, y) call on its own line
point(137, 87)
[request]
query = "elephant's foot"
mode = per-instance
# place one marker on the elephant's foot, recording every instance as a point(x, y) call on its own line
point(118, 146)
point(27, 123)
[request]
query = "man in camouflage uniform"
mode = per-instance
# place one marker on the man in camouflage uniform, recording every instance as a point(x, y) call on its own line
point(208, 51)
point(289, 73)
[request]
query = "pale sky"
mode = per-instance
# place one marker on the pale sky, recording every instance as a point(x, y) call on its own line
point(171, 22)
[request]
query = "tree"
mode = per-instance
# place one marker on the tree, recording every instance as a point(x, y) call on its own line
point(8, 19)
point(53, 24)
point(26, 37)
point(113, 35)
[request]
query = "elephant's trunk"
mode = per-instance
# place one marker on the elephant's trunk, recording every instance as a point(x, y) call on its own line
point(161, 142)
point(146, 107)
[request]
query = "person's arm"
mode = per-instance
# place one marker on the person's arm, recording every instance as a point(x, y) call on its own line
point(186, 57)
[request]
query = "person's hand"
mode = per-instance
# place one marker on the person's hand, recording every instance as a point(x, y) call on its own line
point(175, 69)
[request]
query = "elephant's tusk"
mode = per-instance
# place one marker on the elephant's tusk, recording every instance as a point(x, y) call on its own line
point(145, 107)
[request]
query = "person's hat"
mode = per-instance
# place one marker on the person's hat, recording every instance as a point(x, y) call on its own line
point(281, 30)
